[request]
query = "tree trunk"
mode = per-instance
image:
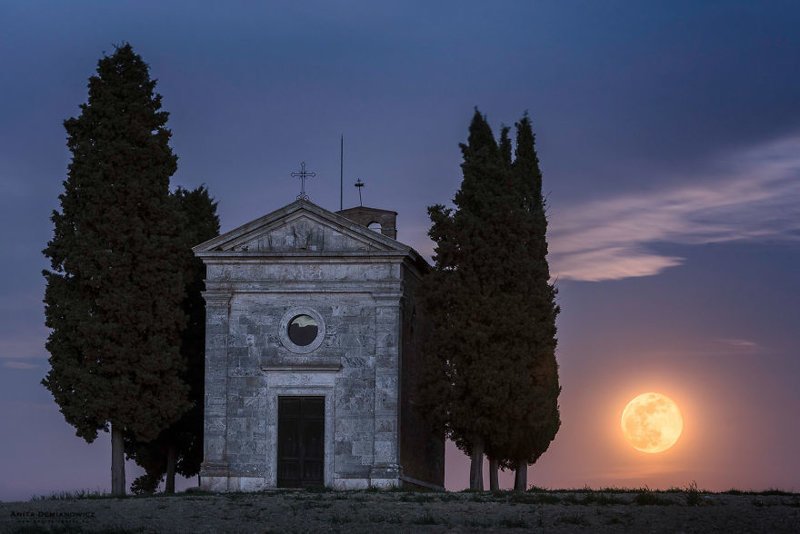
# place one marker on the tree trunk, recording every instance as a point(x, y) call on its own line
point(172, 459)
point(117, 461)
point(476, 467)
point(521, 476)
point(494, 483)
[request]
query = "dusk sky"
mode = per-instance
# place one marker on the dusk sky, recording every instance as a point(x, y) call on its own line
point(669, 139)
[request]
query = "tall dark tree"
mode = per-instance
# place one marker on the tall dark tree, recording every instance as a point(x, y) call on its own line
point(531, 432)
point(490, 374)
point(455, 394)
point(113, 296)
point(494, 461)
point(179, 448)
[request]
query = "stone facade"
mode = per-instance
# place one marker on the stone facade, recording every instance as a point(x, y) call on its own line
point(358, 288)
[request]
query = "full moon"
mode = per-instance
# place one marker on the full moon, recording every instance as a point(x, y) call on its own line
point(652, 422)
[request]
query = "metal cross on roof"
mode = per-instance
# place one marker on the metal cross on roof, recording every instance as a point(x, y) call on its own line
point(303, 174)
point(359, 184)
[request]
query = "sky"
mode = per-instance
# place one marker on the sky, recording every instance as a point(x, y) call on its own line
point(669, 139)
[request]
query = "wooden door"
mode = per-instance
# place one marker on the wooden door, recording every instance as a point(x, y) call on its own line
point(301, 441)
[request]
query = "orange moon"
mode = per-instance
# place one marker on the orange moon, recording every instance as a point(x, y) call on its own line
point(652, 422)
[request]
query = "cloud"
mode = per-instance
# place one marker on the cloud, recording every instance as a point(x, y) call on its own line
point(752, 196)
point(739, 343)
point(26, 346)
point(23, 366)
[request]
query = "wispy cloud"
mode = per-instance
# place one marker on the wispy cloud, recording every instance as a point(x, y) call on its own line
point(742, 344)
point(755, 195)
point(25, 346)
point(21, 366)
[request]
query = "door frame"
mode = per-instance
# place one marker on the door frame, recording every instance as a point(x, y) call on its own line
point(271, 459)
point(316, 415)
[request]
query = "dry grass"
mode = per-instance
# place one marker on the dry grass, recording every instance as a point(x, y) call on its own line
point(687, 509)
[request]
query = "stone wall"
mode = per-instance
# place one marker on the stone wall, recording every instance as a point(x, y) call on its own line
point(421, 449)
point(355, 368)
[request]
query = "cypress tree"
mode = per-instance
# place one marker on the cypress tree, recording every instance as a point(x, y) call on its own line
point(179, 448)
point(458, 296)
point(532, 432)
point(494, 460)
point(113, 296)
point(490, 374)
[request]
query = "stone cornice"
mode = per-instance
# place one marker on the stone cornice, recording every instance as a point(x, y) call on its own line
point(387, 299)
point(217, 299)
point(229, 287)
point(212, 257)
point(320, 367)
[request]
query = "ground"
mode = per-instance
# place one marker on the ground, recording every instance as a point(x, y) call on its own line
point(687, 510)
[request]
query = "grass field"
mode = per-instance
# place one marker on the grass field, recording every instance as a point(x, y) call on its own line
point(687, 509)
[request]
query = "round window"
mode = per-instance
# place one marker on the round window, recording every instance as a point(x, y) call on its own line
point(303, 330)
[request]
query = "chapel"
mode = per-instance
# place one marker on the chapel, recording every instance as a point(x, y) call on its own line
point(312, 355)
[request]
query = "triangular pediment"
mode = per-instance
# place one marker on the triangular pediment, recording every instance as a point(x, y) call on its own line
point(300, 227)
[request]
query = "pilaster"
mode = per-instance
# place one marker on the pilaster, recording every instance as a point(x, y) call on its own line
point(215, 462)
point(386, 435)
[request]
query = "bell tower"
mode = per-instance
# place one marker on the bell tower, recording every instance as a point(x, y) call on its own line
point(371, 217)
